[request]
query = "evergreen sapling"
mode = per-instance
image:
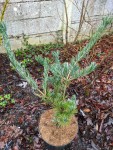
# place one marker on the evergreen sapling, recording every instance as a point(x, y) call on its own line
point(57, 76)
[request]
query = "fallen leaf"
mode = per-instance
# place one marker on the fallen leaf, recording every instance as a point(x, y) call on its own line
point(96, 127)
point(111, 144)
point(1, 89)
point(87, 110)
point(36, 143)
point(83, 114)
point(15, 148)
point(2, 144)
point(96, 147)
point(111, 68)
point(20, 120)
point(89, 121)
point(23, 84)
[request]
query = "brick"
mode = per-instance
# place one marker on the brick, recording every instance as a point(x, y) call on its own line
point(33, 26)
point(23, 11)
point(51, 8)
point(17, 1)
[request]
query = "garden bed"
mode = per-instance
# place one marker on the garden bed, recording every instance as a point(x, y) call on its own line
point(19, 121)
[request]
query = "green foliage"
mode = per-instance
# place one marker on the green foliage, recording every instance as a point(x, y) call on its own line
point(28, 51)
point(32, 50)
point(65, 110)
point(18, 53)
point(26, 62)
point(26, 58)
point(46, 48)
point(6, 100)
point(95, 37)
point(61, 75)
point(57, 76)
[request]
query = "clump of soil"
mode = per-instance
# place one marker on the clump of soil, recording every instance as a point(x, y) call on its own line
point(54, 135)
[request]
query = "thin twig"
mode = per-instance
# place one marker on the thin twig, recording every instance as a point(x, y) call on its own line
point(66, 15)
point(82, 18)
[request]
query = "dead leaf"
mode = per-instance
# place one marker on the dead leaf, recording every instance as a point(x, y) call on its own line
point(36, 143)
point(89, 121)
point(23, 84)
point(15, 148)
point(96, 127)
point(111, 68)
point(83, 114)
point(111, 144)
point(87, 110)
point(2, 144)
point(1, 89)
point(16, 131)
point(95, 146)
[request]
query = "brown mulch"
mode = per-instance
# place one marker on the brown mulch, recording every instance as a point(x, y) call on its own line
point(19, 122)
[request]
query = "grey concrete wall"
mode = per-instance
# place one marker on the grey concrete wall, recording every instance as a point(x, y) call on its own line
point(96, 10)
point(43, 20)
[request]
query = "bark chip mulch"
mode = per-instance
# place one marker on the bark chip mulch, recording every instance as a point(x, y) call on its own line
point(19, 122)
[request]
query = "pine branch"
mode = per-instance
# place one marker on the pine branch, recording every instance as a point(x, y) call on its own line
point(21, 70)
point(39, 59)
point(85, 71)
point(106, 21)
point(56, 56)
point(45, 78)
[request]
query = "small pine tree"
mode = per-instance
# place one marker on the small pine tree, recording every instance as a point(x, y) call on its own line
point(57, 75)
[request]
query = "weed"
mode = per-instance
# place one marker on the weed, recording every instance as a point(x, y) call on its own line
point(28, 52)
point(6, 100)
point(19, 52)
point(26, 62)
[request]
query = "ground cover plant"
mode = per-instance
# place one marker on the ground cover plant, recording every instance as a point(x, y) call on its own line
point(6, 100)
point(27, 53)
point(85, 119)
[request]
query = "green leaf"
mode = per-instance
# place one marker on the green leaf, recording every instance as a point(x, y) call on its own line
point(7, 96)
point(3, 104)
point(1, 98)
point(12, 101)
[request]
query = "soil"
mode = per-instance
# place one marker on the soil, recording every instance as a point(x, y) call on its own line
point(54, 135)
point(19, 128)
